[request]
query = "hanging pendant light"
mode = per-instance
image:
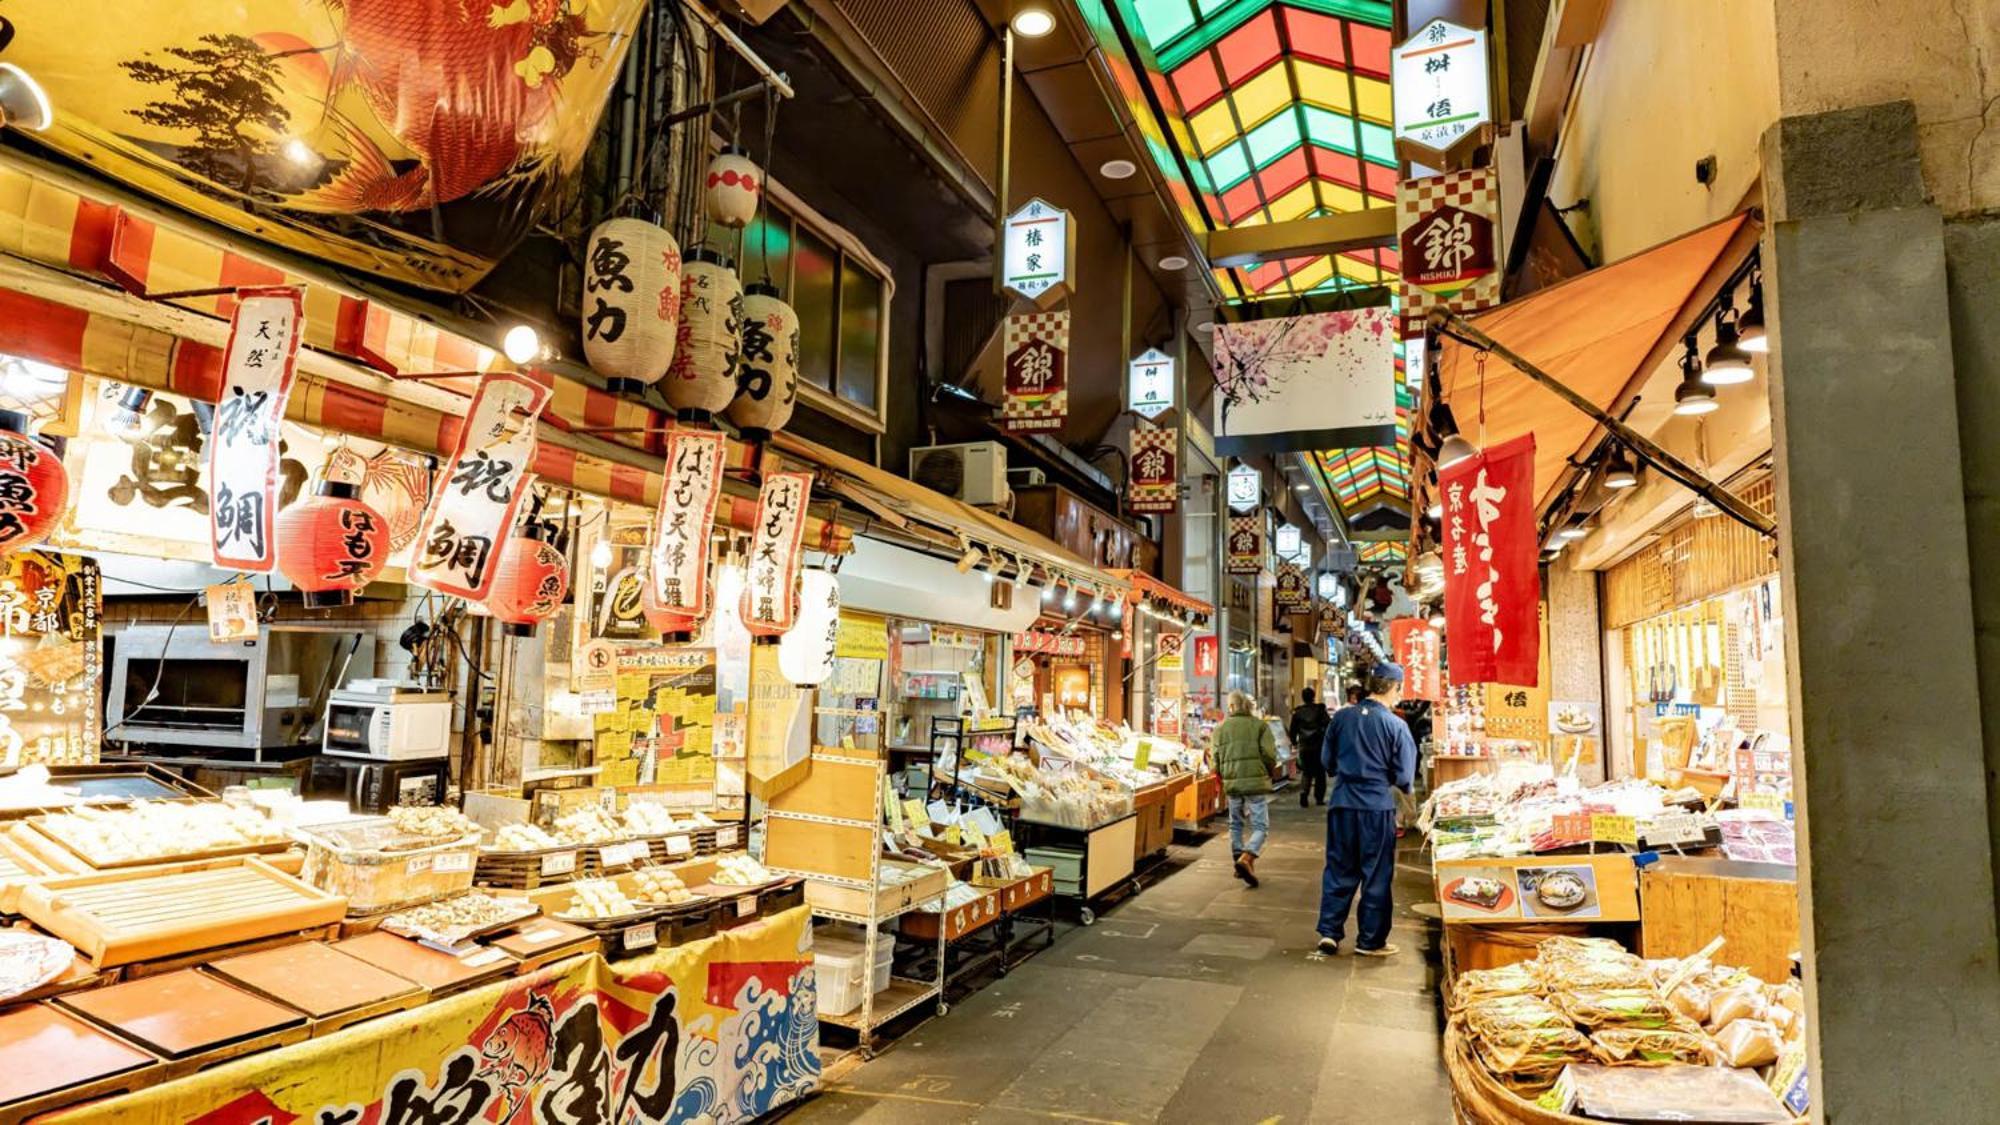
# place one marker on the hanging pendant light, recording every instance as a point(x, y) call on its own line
point(1726, 363)
point(767, 375)
point(34, 488)
point(734, 183)
point(331, 545)
point(1750, 334)
point(529, 584)
point(631, 302)
point(1695, 395)
point(1619, 471)
point(703, 377)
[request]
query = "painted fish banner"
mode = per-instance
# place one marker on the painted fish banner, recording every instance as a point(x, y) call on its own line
point(416, 139)
point(722, 1030)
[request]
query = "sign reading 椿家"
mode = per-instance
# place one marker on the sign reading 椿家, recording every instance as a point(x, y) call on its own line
point(1155, 478)
point(1492, 589)
point(1035, 262)
point(770, 595)
point(472, 507)
point(1416, 648)
point(258, 368)
point(1438, 80)
point(1149, 384)
point(1036, 351)
point(1246, 544)
point(1246, 488)
point(686, 516)
point(1445, 232)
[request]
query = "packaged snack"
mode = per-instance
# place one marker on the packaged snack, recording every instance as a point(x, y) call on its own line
point(1591, 975)
point(1690, 1001)
point(1742, 1001)
point(1512, 1013)
point(1474, 985)
point(1532, 1057)
point(1617, 1007)
point(1632, 1046)
point(1748, 1043)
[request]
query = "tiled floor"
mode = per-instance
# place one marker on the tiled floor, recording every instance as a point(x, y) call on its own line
point(1198, 1000)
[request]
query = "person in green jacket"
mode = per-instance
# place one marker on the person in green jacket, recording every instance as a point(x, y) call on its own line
point(1245, 755)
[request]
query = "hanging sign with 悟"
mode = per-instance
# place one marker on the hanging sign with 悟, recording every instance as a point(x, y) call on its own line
point(1445, 235)
point(1492, 587)
point(1155, 478)
point(257, 373)
point(1036, 350)
point(681, 526)
point(1038, 245)
point(1149, 384)
point(1246, 488)
point(472, 507)
point(1438, 85)
point(1293, 594)
point(770, 586)
point(1246, 544)
point(1416, 647)
point(805, 654)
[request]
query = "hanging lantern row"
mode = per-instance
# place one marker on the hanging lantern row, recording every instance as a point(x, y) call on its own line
point(331, 545)
point(702, 380)
point(735, 184)
point(530, 583)
point(631, 302)
point(767, 378)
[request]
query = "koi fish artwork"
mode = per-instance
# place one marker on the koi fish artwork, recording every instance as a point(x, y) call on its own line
point(417, 138)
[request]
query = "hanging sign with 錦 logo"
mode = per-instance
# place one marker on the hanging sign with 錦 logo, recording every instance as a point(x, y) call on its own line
point(1035, 258)
point(1439, 88)
point(472, 506)
point(1445, 234)
point(770, 583)
point(685, 517)
point(257, 374)
point(1155, 479)
point(1246, 544)
point(1036, 347)
point(1293, 593)
point(1149, 384)
point(1492, 588)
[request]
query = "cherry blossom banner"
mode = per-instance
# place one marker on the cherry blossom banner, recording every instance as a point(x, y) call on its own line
point(472, 507)
point(685, 518)
point(1320, 381)
point(258, 369)
point(1417, 649)
point(1155, 483)
point(1492, 587)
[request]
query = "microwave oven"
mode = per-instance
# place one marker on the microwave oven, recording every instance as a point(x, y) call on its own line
point(387, 722)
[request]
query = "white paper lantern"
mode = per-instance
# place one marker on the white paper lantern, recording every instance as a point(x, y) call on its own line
point(734, 185)
point(631, 302)
point(767, 374)
point(805, 655)
point(703, 377)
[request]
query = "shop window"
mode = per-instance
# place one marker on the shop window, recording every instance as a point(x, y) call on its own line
point(841, 300)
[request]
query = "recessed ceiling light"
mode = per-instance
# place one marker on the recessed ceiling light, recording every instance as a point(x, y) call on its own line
point(1173, 262)
point(1033, 23)
point(1118, 169)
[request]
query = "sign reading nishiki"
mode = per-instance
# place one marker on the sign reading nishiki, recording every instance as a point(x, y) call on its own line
point(1445, 231)
point(1415, 645)
point(473, 504)
point(1492, 589)
point(1246, 544)
point(1155, 484)
point(258, 368)
point(685, 518)
point(1036, 347)
point(770, 583)
point(1292, 593)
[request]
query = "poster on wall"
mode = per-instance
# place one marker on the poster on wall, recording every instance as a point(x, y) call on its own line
point(1492, 591)
point(258, 368)
point(1155, 485)
point(419, 143)
point(1207, 655)
point(1447, 238)
point(779, 730)
point(661, 731)
point(1319, 381)
point(472, 509)
point(1035, 347)
point(50, 664)
point(617, 592)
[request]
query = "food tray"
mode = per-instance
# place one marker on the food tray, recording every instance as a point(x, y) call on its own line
point(378, 869)
point(49, 1058)
point(118, 917)
point(458, 937)
point(48, 831)
point(17, 867)
point(532, 870)
point(544, 941)
point(437, 973)
point(111, 784)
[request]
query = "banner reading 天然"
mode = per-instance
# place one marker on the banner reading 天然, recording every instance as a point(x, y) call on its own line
point(257, 372)
point(1492, 587)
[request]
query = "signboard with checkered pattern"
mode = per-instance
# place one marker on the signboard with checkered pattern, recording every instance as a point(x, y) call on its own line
point(1036, 347)
point(1155, 477)
point(1446, 229)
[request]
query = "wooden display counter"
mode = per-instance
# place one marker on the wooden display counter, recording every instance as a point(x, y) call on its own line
point(1687, 901)
point(1447, 768)
point(1198, 802)
point(1153, 808)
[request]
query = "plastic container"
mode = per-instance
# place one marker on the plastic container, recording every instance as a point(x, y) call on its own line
point(379, 868)
point(837, 968)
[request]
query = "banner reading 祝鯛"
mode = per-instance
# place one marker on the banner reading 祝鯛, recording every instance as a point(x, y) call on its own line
point(473, 503)
point(258, 368)
point(1492, 587)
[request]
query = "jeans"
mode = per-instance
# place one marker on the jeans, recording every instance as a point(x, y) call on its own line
point(1254, 808)
point(1360, 856)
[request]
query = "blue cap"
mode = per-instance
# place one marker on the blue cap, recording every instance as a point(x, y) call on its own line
point(1387, 671)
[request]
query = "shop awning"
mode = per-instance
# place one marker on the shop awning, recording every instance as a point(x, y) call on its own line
point(1145, 587)
point(1601, 333)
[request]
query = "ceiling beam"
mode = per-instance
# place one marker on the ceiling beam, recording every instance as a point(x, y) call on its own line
point(1328, 234)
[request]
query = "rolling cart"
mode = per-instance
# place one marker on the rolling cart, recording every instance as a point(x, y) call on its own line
point(1092, 866)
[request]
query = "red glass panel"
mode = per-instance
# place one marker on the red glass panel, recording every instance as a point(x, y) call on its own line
point(1336, 166)
point(1285, 173)
point(1241, 200)
point(1314, 36)
point(1251, 47)
point(1371, 49)
point(1381, 182)
point(1197, 83)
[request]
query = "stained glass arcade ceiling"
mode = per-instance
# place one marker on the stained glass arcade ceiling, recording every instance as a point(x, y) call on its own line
point(1282, 112)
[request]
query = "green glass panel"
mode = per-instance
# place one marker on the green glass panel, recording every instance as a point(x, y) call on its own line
point(1378, 144)
point(1328, 128)
point(1227, 167)
point(767, 248)
point(815, 271)
point(860, 334)
point(1163, 19)
point(1273, 139)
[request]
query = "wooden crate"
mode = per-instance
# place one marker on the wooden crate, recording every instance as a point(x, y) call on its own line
point(922, 925)
point(888, 899)
point(530, 870)
point(813, 847)
point(119, 917)
point(1686, 903)
point(1023, 893)
point(1153, 828)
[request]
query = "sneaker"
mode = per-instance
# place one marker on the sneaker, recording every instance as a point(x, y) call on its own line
point(1329, 946)
point(1384, 951)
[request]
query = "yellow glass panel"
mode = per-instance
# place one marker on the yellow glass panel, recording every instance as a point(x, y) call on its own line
point(1252, 219)
point(1372, 100)
point(1262, 96)
point(1312, 275)
point(1213, 127)
point(1341, 198)
point(1322, 85)
point(1294, 204)
point(1360, 271)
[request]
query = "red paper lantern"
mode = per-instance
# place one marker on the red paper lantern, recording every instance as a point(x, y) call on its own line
point(674, 628)
point(34, 489)
point(332, 544)
point(529, 584)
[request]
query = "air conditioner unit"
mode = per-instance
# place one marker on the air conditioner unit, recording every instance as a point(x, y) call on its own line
point(973, 471)
point(1029, 477)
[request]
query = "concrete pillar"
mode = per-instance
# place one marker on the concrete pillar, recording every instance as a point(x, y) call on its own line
point(1895, 864)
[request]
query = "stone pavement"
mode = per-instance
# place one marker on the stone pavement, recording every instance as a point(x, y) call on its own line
point(1197, 1000)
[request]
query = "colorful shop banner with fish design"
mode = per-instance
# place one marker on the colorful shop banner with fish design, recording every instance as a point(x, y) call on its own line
point(472, 507)
point(416, 140)
point(719, 1030)
point(257, 372)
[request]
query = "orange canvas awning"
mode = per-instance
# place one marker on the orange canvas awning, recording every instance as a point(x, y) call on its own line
point(1601, 333)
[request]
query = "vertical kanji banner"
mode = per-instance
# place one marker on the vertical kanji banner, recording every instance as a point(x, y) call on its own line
point(1416, 648)
point(686, 517)
point(1447, 238)
point(1036, 350)
point(473, 503)
point(1246, 544)
point(1492, 587)
point(1155, 483)
point(770, 583)
point(258, 368)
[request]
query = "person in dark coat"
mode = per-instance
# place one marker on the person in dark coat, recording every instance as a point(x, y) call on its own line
point(1308, 732)
point(1371, 755)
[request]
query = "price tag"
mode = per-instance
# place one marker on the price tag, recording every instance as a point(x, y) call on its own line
point(746, 906)
point(616, 854)
point(1763, 802)
point(643, 936)
point(1608, 829)
point(1673, 828)
point(417, 865)
point(727, 835)
point(1571, 828)
point(446, 862)
point(558, 863)
point(480, 957)
point(541, 935)
point(679, 845)
point(1143, 757)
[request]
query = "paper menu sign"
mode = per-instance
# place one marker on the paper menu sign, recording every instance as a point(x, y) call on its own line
point(232, 612)
point(984, 822)
point(1610, 829)
point(472, 507)
point(941, 813)
point(915, 813)
point(259, 365)
point(1673, 828)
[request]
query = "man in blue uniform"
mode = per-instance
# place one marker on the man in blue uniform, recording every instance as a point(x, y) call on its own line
point(1370, 754)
